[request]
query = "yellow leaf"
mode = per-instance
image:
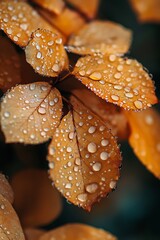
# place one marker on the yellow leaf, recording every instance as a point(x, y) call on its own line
point(36, 201)
point(121, 81)
point(100, 36)
point(5, 189)
point(84, 158)
point(30, 113)
point(9, 65)
point(10, 227)
point(55, 6)
point(46, 54)
point(86, 6)
point(147, 10)
point(18, 20)
point(67, 22)
point(145, 138)
point(78, 232)
point(112, 115)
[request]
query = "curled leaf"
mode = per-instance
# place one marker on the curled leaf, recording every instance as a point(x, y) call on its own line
point(55, 6)
point(78, 232)
point(147, 10)
point(121, 81)
point(111, 114)
point(5, 189)
point(36, 202)
point(67, 22)
point(33, 233)
point(46, 54)
point(30, 113)
point(10, 227)
point(86, 6)
point(145, 138)
point(18, 20)
point(100, 36)
point(9, 65)
point(84, 158)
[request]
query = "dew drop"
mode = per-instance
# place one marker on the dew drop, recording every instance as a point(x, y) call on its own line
point(82, 197)
point(92, 147)
point(97, 167)
point(92, 188)
point(42, 110)
point(138, 104)
point(104, 142)
point(112, 184)
point(92, 129)
point(104, 156)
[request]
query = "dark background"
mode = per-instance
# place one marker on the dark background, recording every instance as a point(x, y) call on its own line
point(132, 212)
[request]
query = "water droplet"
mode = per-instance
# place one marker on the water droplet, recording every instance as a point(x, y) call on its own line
point(6, 114)
point(96, 76)
point(92, 147)
point(104, 155)
point(97, 167)
point(51, 165)
point(68, 185)
point(92, 129)
point(69, 149)
point(104, 142)
point(82, 197)
point(112, 184)
point(42, 110)
point(92, 188)
point(138, 104)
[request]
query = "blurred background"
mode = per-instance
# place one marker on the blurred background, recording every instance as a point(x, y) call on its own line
point(131, 212)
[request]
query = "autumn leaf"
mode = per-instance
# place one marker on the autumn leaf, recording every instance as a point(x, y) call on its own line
point(100, 36)
point(147, 10)
point(111, 114)
point(5, 189)
point(30, 113)
point(78, 232)
point(46, 54)
point(10, 227)
point(9, 65)
point(18, 20)
point(118, 80)
point(86, 6)
point(67, 22)
point(36, 201)
point(84, 158)
point(55, 6)
point(145, 138)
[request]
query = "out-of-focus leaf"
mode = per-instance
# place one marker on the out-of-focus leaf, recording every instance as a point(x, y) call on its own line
point(30, 113)
point(145, 138)
point(55, 6)
point(36, 201)
point(9, 65)
point(33, 233)
point(121, 81)
point(5, 189)
point(10, 228)
point(84, 158)
point(78, 232)
point(46, 54)
point(100, 36)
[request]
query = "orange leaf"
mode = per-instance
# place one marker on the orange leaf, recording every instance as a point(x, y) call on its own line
point(5, 189)
point(33, 233)
point(67, 22)
point(100, 36)
point(10, 227)
point(145, 138)
point(121, 81)
point(55, 6)
point(112, 115)
point(86, 6)
point(18, 20)
point(78, 232)
point(30, 113)
point(9, 65)
point(36, 202)
point(147, 10)
point(46, 54)
point(84, 157)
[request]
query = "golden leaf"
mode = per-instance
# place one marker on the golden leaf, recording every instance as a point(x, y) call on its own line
point(147, 10)
point(145, 138)
point(121, 81)
point(30, 113)
point(5, 189)
point(10, 227)
point(36, 201)
point(55, 6)
point(112, 115)
point(9, 65)
point(78, 232)
point(100, 36)
point(67, 22)
point(86, 6)
point(46, 54)
point(84, 158)
point(18, 20)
